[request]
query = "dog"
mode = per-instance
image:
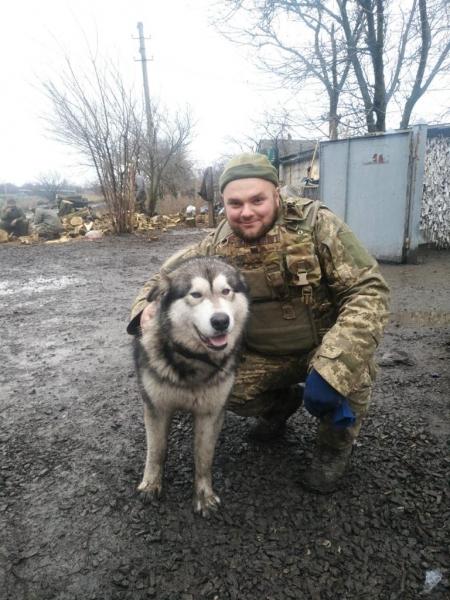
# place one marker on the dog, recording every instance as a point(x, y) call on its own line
point(186, 361)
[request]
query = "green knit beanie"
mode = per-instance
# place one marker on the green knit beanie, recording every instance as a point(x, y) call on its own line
point(248, 165)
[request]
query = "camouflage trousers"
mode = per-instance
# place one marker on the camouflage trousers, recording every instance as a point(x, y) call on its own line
point(43, 229)
point(140, 202)
point(262, 383)
point(19, 229)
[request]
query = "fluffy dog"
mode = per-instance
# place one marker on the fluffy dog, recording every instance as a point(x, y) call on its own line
point(186, 361)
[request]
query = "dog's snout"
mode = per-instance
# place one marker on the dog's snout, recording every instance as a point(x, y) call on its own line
point(220, 321)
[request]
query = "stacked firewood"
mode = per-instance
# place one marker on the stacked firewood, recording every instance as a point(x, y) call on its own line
point(435, 216)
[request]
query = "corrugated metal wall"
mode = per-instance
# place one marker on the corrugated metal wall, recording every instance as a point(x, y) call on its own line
point(374, 183)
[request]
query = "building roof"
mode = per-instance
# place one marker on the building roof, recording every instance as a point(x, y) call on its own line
point(436, 130)
point(287, 147)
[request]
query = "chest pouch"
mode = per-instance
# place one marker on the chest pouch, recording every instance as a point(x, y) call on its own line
point(281, 320)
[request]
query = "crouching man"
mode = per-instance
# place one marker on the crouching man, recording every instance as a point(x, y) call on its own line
point(46, 223)
point(319, 307)
point(13, 220)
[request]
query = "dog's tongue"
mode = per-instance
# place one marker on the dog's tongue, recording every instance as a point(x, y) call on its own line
point(219, 340)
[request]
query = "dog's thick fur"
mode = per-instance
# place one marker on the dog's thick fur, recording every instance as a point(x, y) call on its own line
point(186, 361)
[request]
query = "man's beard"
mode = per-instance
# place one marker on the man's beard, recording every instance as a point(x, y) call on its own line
point(256, 236)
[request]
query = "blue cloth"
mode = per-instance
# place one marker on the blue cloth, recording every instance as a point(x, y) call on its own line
point(321, 398)
point(343, 416)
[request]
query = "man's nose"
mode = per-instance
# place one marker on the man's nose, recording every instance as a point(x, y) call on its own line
point(246, 210)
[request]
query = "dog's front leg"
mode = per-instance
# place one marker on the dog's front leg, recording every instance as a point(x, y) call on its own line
point(206, 432)
point(157, 426)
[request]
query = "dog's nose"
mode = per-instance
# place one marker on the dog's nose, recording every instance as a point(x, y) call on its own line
point(220, 321)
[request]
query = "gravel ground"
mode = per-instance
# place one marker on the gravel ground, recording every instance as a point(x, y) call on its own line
point(72, 525)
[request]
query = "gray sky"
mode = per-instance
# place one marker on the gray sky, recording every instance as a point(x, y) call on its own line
point(192, 64)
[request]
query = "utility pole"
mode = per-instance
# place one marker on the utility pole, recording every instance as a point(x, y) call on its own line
point(148, 107)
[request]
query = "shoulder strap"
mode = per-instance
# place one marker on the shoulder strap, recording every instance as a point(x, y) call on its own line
point(223, 230)
point(301, 213)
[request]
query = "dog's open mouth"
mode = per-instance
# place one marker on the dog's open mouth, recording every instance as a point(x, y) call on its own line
point(217, 342)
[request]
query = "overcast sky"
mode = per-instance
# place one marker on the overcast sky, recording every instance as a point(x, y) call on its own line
point(192, 64)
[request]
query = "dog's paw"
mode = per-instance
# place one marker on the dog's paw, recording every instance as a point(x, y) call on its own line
point(149, 490)
point(205, 505)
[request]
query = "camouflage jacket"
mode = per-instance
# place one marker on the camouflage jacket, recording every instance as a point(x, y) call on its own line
point(9, 214)
point(324, 290)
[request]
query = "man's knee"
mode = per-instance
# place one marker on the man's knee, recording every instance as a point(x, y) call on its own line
point(260, 404)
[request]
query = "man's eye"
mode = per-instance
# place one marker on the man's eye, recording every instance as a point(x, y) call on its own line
point(196, 295)
point(226, 291)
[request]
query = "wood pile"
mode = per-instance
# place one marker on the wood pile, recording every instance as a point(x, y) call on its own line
point(67, 204)
point(435, 215)
point(79, 222)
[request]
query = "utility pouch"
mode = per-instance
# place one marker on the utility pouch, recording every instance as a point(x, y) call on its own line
point(270, 332)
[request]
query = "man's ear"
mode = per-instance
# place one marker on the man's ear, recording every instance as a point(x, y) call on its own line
point(160, 289)
point(277, 196)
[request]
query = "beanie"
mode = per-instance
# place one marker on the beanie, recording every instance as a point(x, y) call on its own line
point(248, 165)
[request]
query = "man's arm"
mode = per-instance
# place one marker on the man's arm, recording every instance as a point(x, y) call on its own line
point(362, 297)
point(203, 248)
point(22, 216)
point(38, 216)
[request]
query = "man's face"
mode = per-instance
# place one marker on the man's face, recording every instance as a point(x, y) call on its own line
point(251, 207)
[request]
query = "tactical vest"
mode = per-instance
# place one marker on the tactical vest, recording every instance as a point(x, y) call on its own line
point(291, 305)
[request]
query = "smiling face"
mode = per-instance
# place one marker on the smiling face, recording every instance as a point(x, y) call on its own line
point(251, 207)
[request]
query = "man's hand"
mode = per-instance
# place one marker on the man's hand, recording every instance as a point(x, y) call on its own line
point(13, 222)
point(320, 397)
point(148, 313)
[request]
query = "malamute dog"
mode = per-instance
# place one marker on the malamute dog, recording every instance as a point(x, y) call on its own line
point(186, 360)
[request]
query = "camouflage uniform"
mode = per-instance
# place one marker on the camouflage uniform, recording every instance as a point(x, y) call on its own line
point(318, 301)
point(11, 213)
point(140, 197)
point(46, 222)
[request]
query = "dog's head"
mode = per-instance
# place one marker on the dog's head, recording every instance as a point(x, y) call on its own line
point(204, 302)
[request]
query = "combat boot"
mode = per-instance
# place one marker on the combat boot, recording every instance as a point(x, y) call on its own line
point(272, 424)
point(326, 470)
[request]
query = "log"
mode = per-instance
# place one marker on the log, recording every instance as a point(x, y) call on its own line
point(74, 221)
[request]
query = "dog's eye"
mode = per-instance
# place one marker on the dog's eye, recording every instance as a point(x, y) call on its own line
point(196, 295)
point(226, 291)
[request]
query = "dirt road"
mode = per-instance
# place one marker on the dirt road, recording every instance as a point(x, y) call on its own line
point(72, 525)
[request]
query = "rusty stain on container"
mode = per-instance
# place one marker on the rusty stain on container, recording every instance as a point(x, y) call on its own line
point(377, 159)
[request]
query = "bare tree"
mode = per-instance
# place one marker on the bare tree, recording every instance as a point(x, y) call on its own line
point(271, 125)
point(95, 113)
point(363, 54)
point(297, 42)
point(50, 184)
point(164, 156)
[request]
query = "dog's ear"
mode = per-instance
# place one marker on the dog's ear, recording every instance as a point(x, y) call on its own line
point(159, 290)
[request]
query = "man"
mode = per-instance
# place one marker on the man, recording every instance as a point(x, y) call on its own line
point(319, 306)
point(140, 197)
point(46, 223)
point(13, 219)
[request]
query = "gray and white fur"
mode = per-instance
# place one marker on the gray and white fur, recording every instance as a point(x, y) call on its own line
point(186, 361)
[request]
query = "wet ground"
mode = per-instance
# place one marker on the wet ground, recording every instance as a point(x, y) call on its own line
point(71, 523)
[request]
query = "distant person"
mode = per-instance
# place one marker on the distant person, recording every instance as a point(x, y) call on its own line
point(140, 197)
point(47, 224)
point(13, 219)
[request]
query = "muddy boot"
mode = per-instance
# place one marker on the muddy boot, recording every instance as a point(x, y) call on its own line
point(326, 470)
point(273, 423)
